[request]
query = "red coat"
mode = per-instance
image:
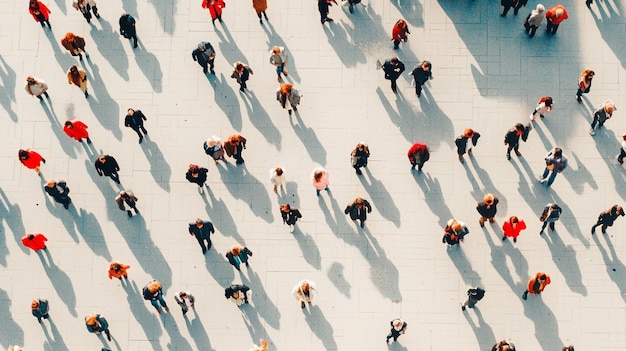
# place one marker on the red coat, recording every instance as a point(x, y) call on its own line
point(215, 7)
point(38, 242)
point(398, 33)
point(509, 231)
point(78, 132)
point(418, 147)
point(33, 161)
point(551, 15)
point(42, 9)
point(542, 285)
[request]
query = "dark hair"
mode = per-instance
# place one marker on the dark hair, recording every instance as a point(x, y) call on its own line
point(68, 124)
point(279, 171)
point(558, 152)
point(23, 154)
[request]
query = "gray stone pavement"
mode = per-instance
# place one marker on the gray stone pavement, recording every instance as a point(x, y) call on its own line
point(488, 76)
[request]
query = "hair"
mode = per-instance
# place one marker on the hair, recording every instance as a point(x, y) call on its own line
point(199, 220)
point(23, 155)
point(130, 111)
point(587, 74)
point(235, 250)
point(468, 132)
point(31, 236)
point(238, 66)
point(286, 88)
point(513, 219)
point(540, 8)
point(69, 124)
point(549, 101)
point(73, 69)
point(276, 50)
point(489, 199)
point(318, 175)
point(568, 348)
point(305, 287)
point(91, 319)
point(31, 79)
point(182, 294)
point(154, 286)
point(543, 276)
point(394, 59)
point(51, 183)
point(519, 126)
point(34, 4)
point(279, 171)
point(69, 36)
point(123, 194)
point(193, 167)
point(558, 152)
point(427, 64)
point(456, 226)
point(115, 266)
point(401, 23)
point(285, 208)
point(358, 201)
point(34, 304)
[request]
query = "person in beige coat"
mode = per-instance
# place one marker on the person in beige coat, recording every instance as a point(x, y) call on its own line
point(78, 77)
point(534, 19)
point(260, 6)
point(36, 87)
point(304, 292)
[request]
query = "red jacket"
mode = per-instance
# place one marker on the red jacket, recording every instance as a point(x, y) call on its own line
point(78, 132)
point(399, 33)
point(215, 7)
point(42, 9)
point(541, 285)
point(551, 15)
point(34, 160)
point(508, 229)
point(38, 242)
point(418, 147)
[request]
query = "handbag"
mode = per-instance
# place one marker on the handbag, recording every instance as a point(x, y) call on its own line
point(550, 167)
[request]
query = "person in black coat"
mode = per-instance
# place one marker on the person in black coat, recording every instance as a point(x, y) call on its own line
point(290, 216)
point(59, 192)
point(107, 165)
point(359, 157)
point(134, 120)
point(465, 142)
point(202, 230)
point(606, 218)
point(515, 4)
point(358, 209)
point(487, 209)
point(513, 136)
point(241, 73)
point(196, 174)
point(473, 296)
point(393, 68)
point(323, 6)
point(421, 74)
point(205, 56)
point(127, 28)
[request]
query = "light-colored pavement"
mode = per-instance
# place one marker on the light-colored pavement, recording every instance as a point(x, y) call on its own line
point(488, 76)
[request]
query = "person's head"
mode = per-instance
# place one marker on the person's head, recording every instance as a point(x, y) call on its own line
point(51, 183)
point(69, 124)
point(235, 250)
point(489, 199)
point(468, 133)
point(306, 287)
point(276, 50)
point(31, 236)
point(619, 210)
point(513, 219)
point(279, 171)
point(397, 323)
point(102, 158)
point(193, 168)
point(34, 304)
point(115, 266)
point(540, 8)
point(554, 206)
point(130, 112)
point(236, 294)
point(559, 13)
point(624, 136)
point(426, 65)
point(91, 320)
point(401, 23)
point(74, 69)
point(154, 287)
point(558, 152)
point(360, 147)
point(543, 276)
point(318, 175)
point(588, 74)
point(286, 88)
point(394, 60)
point(124, 194)
point(31, 80)
point(182, 294)
point(23, 154)
point(233, 141)
point(34, 4)
point(610, 107)
point(519, 128)
point(549, 102)
point(201, 46)
point(568, 348)
point(199, 222)
point(239, 67)
point(69, 36)
point(285, 208)
point(456, 227)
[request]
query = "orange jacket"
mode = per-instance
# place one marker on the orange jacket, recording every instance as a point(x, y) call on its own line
point(542, 284)
point(551, 15)
point(120, 273)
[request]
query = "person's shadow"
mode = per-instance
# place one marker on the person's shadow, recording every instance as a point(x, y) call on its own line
point(482, 330)
point(12, 214)
point(614, 266)
point(177, 341)
point(148, 321)
point(67, 217)
point(320, 326)
point(564, 258)
point(91, 232)
point(165, 14)
point(219, 267)
point(60, 281)
point(309, 139)
point(261, 120)
point(463, 265)
point(10, 332)
point(7, 89)
point(310, 251)
point(380, 197)
point(159, 168)
point(198, 333)
point(226, 100)
point(610, 22)
point(66, 143)
point(349, 54)
point(63, 58)
point(255, 328)
point(150, 67)
point(220, 215)
point(244, 186)
point(102, 105)
point(546, 323)
point(107, 41)
point(337, 276)
point(274, 39)
point(267, 309)
point(54, 342)
point(433, 196)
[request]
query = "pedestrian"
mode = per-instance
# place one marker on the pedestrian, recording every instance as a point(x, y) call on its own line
point(503, 345)
point(134, 120)
point(234, 146)
point(35, 242)
point(534, 19)
point(127, 197)
point(264, 346)
point(127, 28)
point(107, 165)
point(398, 327)
point(97, 324)
point(323, 7)
point(84, 6)
point(584, 84)
point(278, 58)
point(358, 209)
point(554, 17)
point(205, 54)
point(36, 87)
point(543, 107)
point(77, 130)
point(214, 148)
point(421, 74)
point(515, 4)
point(215, 9)
point(241, 73)
point(260, 6)
point(59, 191)
point(418, 155)
point(197, 175)
point(465, 142)
point(556, 162)
point(473, 296)
point(39, 309)
point(238, 294)
point(393, 68)
point(320, 180)
point(74, 44)
point(237, 255)
point(487, 209)
point(400, 32)
point(31, 159)
point(622, 150)
point(536, 284)
point(277, 177)
point(202, 230)
point(512, 137)
point(512, 228)
point(78, 77)
point(601, 115)
point(607, 218)
point(118, 270)
point(40, 13)
point(287, 93)
point(304, 292)
point(454, 232)
point(153, 292)
point(290, 216)
point(568, 348)
point(359, 156)
point(185, 300)
point(551, 213)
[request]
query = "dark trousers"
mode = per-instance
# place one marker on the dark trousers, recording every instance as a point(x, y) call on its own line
point(531, 31)
point(393, 334)
point(599, 223)
point(207, 65)
point(218, 17)
point(65, 200)
point(512, 147)
point(394, 87)
point(621, 156)
point(115, 176)
point(418, 89)
point(551, 27)
point(596, 121)
point(134, 38)
point(545, 224)
point(237, 156)
point(138, 129)
point(202, 245)
point(396, 44)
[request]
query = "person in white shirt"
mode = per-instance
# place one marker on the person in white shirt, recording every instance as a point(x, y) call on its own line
point(277, 177)
point(185, 300)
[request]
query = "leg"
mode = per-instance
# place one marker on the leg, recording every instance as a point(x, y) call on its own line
point(156, 305)
point(394, 86)
point(135, 40)
point(418, 89)
point(260, 19)
point(396, 44)
point(552, 177)
point(545, 223)
point(211, 65)
point(593, 228)
point(551, 225)
point(516, 149)
point(508, 151)
point(162, 302)
point(202, 246)
point(506, 10)
point(205, 68)
point(533, 29)
point(579, 95)
point(545, 174)
point(620, 157)
point(525, 295)
point(265, 15)
point(604, 226)
point(94, 9)
point(115, 177)
point(420, 164)
point(595, 121)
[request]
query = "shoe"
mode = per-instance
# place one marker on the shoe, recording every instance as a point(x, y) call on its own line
point(492, 220)
point(80, 57)
point(518, 154)
point(108, 335)
point(580, 101)
point(542, 180)
point(200, 191)
point(140, 140)
point(159, 310)
point(289, 111)
point(285, 73)
point(525, 295)
point(504, 238)
point(462, 308)
point(239, 161)
point(621, 162)
point(292, 228)
point(203, 251)
point(351, 8)
point(302, 304)
point(241, 89)
point(261, 22)
point(88, 141)
point(280, 79)
point(330, 20)
point(205, 70)
point(593, 230)
point(469, 152)
point(358, 172)
point(592, 132)
point(394, 91)
point(318, 193)
point(514, 240)
point(212, 72)
point(265, 15)
point(135, 46)
point(508, 157)
point(603, 231)
point(502, 15)
point(532, 117)
point(481, 221)
point(86, 95)
point(461, 159)
point(130, 214)
point(541, 232)
point(247, 264)
point(362, 224)
point(275, 190)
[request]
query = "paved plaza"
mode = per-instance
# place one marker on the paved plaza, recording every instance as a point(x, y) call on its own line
point(488, 76)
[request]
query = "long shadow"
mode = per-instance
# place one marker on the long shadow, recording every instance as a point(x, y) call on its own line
point(381, 198)
point(291, 195)
point(609, 21)
point(229, 48)
point(165, 11)
point(110, 47)
point(309, 139)
point(488, 186)
point(534, 193)
point(546, 324)
point(12, 214)
point(67, 217)
point(66, 143)
point(150, 67)
point(433, 197)
point(310, 251)
point(159, 168)
point(10, 332)
point(569, 220)
point(221, 217)
point(615, 269)
point(263, 304)
point(564, 258)
point(54, 343)
point(337, 34)
point(482, 330)
point(60, 281)
point(218, 267)
point(7, 90)
point(320, 326)
point(261, 120)
point(413, 13)
point(198, 333)
point(253, 324)
point(579, 176)
point(148, 321)
point(226, 99)
point(499, 262)
point(63, 58)
point(338, 278)
point(91, 232)
point(274, 39)
point(368, 33)
point(177, 341)
point(61, 5)
point(608, 147)
point(244, 186)
point(102, 105)
point(463, 265)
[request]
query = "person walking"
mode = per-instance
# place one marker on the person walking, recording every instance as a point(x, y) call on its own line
point(358, 209)
point(84, 6)
point(205, 54)
point(359, 156)
point(260, 6)
point(556, 162)
point(153, 292)
point(398, 327)
point(118, 270)
point(128, 28)
point(304, 292)
point(185, 299)
point(515, 4)
point(543, 107)
point(40, 13)
point(77, 130)
point(323, 6)
point(290, 216)
point(134, 120)
point(35, 242)
point(36, 87)
point(214, 148)
point(512, 137)
point(503, 345)
point(241, 73)
point(607, 218)
point(59, 191)
point(287, 93)
point(421, 74)
point(536, 284)
point(127, 197)
point(487, 209)
point(238, 294)
point(107, 165)
point(234, 146)
point(320, 180)
point(202, 230)
point(454, 232)
point(39, 309)
point(215, 8)
point(197, 175)
point(622, 150)
point(393, 68)
point(551, 213)
point(237, 255)
point(265, 347)
point(78, 77)
point(512, 228)
point(278, 58)
point(554, 17)
point(74, 44)
point(418, 155)
point(97, 324)
point(584, 84)
point(465, 142)
point(534, 19)
point(601, 115)
point(400, 32)
point(277, 177)
point(30, 159)
point(473, 296)
point(568, 348)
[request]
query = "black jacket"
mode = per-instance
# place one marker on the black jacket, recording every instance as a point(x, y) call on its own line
point(358, 213)
point(420, 75)
point(56, 193)
point(135, 120)
point(291, 217)
point(461, 142)
point(201, 179)
point(390, 69)
point(107, 168)
point(127, 26)
point(488, 212)
point(228, 292)
point(203, 57)
point(201, 233)
point(609, 216)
